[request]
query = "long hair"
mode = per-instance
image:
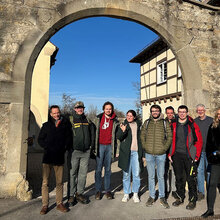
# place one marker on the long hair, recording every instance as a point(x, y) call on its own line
point(215, 123)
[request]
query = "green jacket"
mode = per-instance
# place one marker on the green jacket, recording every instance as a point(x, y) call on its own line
point(125, 146)
point(83, 133)
point(114, 129)
point(153, 137)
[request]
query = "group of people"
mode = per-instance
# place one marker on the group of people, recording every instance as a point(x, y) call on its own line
point(191, 146)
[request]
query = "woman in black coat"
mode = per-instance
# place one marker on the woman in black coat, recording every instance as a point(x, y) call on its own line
point(213, 156)
point(130, 155)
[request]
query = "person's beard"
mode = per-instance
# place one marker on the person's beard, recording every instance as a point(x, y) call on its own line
point(156, 117)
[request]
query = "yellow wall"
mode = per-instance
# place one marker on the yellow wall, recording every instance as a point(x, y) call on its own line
point(161, 56)
point(172, 85)
point(146, 67)
point(161, 90)
point(40, 84)
point(171, 68)
point(40, 94)
point(170, 54)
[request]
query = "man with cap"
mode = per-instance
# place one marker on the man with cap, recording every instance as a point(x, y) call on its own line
point(83, 141)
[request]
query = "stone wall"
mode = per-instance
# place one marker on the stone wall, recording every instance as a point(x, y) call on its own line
point(4, 119)
point(204, 29)
point(191, 28)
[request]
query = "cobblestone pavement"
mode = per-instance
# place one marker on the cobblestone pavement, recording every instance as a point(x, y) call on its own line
point(95, 210)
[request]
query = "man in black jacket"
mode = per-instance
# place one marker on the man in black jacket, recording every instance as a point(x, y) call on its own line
point(83, 141)
point(55, 137)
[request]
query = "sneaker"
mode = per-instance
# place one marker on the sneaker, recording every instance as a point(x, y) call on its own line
point(164, 203)
point(150, 202)
point(201, 196)
point(191, 205)
point(136, 198)
point(125, 198)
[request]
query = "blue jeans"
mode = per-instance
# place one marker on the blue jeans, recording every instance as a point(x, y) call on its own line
point(203, 164)
point(135, 169)
point(159, 161)
point(104, 159)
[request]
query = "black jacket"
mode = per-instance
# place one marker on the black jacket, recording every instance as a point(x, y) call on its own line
point(125, 146)
point(55, 140)
point(213, 144)
point(83, 133)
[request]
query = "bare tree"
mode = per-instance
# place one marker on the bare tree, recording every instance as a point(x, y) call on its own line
point(138, 106)
point(92, 112)
point(119, 113)
point(68, 103)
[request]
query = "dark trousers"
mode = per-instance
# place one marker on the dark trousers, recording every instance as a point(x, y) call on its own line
point(182, 166)
point(167, 177)
point(214, 180)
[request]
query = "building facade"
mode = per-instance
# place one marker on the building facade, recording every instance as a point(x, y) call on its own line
point(161, 78)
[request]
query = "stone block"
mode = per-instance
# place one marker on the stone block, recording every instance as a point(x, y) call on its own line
point(14, 185)
point(4, 125)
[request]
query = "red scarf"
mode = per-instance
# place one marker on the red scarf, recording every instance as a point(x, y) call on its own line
point(105, 130)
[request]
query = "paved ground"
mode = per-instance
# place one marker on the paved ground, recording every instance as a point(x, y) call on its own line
point(95, 210)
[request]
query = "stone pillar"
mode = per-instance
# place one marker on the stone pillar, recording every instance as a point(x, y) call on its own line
point(13, 147)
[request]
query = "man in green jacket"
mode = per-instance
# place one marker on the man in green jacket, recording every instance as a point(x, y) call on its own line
point(83, 141)
point(156, 137)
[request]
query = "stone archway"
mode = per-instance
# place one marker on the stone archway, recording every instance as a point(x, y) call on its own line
point(192, 43)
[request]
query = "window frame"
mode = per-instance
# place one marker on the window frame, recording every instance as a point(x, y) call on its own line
point(161, 72)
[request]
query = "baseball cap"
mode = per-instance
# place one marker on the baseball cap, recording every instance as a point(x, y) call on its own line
point(79, 104)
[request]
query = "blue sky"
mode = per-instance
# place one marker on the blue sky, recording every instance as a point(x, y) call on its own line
point(93, 61)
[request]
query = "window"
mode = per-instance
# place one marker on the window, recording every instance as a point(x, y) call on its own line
point(162, 72)
point(179, 72)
